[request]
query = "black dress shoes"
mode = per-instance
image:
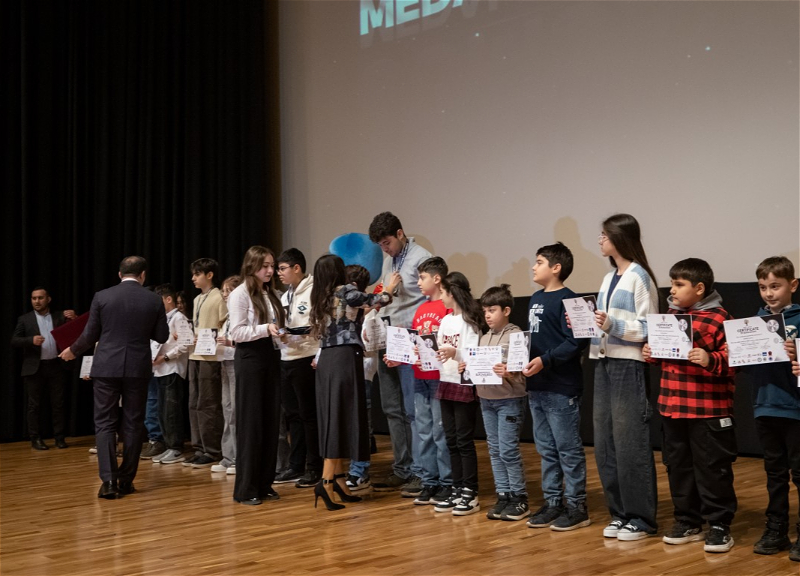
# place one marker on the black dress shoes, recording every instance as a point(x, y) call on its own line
point(249, 501)
point(108, 490)
point(38, 444)
point(271, 495)
point(61, 443)
point(126, 487)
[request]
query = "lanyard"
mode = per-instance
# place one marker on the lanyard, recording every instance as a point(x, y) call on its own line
point(199, 306)
point(401, 257)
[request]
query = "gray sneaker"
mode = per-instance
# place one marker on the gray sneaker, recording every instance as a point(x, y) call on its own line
point(412, 489)
point(392, 482)
point(174, 457)
point(157, 459)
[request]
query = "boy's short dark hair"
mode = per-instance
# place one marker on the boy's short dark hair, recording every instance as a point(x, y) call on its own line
point(293, 257)
point(498, 296)
point(358, 275)
point(383, 225)
point(695, 271)
point(166, 290)
point(132, 266)
point(204, 266)
point(558, 253)
point(433, 266)
point(778, 266)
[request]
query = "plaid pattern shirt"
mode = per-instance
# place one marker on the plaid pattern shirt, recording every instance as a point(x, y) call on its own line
point(688, 390)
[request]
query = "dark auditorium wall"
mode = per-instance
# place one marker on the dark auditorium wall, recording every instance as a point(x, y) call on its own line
point(133, 127)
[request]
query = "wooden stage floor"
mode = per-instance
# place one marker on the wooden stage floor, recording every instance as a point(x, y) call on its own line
point(183, 521)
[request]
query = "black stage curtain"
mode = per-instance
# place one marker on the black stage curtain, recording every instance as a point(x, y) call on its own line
point(134, 127)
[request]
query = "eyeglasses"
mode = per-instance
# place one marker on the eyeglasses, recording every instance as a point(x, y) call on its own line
point(284, 268)
point(602, 238)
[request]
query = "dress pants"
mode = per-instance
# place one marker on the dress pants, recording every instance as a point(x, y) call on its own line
point(48, 377)
point(258, 405)
point(205, 407)
point(107, 394)
point(300, 379)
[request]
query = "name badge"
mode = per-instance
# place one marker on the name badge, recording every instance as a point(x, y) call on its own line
point(725, 422)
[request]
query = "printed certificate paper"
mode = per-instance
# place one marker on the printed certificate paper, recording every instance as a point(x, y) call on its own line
point(480, 363)
point(155, 347)
point(400, 344)
point(519, 346)
point(581, 316)
point(206, 342)
point(669, 335)
point(86, 366)
point(426, 345)
point(756, 340)
point(185, 334)
point(375, 330)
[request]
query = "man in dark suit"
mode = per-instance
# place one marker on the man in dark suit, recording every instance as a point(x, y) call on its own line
point(123, 319)
point(41, 368)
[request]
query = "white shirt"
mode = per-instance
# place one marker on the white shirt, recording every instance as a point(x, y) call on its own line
point(178, 353)
point(244, 323)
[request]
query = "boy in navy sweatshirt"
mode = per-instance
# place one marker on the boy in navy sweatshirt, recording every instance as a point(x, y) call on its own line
point(555, 386)
point(776, 406)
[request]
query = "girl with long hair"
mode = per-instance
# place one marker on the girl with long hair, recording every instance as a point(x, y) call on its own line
point(256, 315)
point(622, 409)
point(337, 313)
point(459, 330)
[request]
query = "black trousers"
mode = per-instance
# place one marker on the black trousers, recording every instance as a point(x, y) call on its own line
point(780, 439)
point(458, 421)
point(170, 409)
point(698, 454)
point(299, 400)
point(50, 378)
point(258, 409)
point(109, 417)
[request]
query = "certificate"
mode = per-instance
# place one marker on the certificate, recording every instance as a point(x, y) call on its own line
point(580, 312)
point(375, 331)
point(797, 348)
point(480, 363)
point(185, 334)
point(756, 340)
point(400, 343)
point(519, 351)
point(426, 345)
point(154, 348)
point(669, 335)
point(86, 366)
point(206, 342)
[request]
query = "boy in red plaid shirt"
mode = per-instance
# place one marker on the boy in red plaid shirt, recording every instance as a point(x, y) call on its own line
point(696, 405)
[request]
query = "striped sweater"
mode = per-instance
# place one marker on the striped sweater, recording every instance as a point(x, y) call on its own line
point(625, 328)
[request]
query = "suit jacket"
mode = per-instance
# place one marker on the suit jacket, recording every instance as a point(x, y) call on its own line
point(27, 328)
point(123, 318)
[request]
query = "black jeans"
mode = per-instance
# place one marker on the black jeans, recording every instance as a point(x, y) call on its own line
point(780, 439)
point(299, 399)
point(49, 377)
point(698, 454)
point(170, 410)
point(458, 421)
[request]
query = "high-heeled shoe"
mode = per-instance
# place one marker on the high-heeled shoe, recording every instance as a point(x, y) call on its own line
point(340, 491)
point(319, 491)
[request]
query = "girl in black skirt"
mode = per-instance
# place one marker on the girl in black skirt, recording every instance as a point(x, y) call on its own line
point(337, 312)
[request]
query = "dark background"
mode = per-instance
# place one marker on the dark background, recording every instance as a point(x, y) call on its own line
point(134, 127)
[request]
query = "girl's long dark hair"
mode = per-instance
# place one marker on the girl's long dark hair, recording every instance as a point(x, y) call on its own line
point(328, 276)
point(252, 263)
point(624, 233)
point(457, 285)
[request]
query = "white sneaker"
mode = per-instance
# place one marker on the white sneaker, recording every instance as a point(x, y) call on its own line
point(174, 457)
point(219, 468)
point(93, 450)
point(612, 529)
point(157, 459)
point(231, 470)
point(469, 503)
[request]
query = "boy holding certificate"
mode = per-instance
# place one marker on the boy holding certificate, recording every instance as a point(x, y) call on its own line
point(776, 406)
point(555, 387)
point(696, 405)
point(503, 409)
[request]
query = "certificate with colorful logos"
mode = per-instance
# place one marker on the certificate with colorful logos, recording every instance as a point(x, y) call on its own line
point(669, 335)
point(426, 346)
point(375, 332)
point(580, 312)
point(400, 343)
point(756, 340)
point(206, 342)
point(480, 362)
point(185, 334)
point(519, 351)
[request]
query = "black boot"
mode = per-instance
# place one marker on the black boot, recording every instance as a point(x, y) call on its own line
point(774, 539)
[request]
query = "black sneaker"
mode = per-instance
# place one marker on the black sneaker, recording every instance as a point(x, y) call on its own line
point(190, 460)
point(307, 480)
point(203, 461)
point(425, 496)
point(442, 493)
point(772, 541)
point(447, 504)
point(572, 518)
point(683, 533)
point(794, 552)
point(286, 476)
point(516, 509)
point(412, 488)
point(358, 484)
point(545, 516)
point(718, 539)
point(469, 503)
point(495, 511)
